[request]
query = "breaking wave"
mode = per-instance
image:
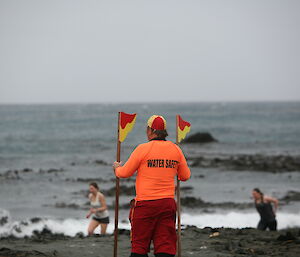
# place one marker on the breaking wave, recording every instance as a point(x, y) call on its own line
point(70, 227)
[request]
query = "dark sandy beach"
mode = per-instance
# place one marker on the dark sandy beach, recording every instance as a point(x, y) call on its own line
point(195, 242)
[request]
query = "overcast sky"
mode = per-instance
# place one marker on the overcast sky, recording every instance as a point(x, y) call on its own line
point(154, 50)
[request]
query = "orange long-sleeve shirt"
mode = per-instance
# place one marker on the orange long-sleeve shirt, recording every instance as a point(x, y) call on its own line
point(157, 163)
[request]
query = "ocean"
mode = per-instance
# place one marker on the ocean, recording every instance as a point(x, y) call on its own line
point(50, 153)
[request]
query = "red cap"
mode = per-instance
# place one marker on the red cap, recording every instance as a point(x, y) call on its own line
point(157, 122)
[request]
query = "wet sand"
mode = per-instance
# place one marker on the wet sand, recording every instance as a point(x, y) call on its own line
point(195, 242)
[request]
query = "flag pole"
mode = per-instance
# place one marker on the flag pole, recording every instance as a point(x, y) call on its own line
point(117, 194)
point(178, 202)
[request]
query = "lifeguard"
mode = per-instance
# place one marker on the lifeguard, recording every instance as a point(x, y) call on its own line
point(153, 214)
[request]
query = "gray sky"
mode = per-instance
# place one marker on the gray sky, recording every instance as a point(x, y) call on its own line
point(128, 51)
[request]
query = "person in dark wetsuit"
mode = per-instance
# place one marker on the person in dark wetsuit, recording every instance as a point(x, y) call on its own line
point(265, 209)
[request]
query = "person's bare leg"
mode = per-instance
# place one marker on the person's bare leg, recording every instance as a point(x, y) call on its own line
point(103, 228)
point(92, 226)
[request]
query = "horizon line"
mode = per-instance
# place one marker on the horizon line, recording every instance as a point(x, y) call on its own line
point(154, 102)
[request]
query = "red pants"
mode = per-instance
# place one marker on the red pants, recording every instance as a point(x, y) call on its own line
point(153, 220)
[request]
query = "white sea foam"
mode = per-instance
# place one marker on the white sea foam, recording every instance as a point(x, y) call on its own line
point(68, 227)
point(238, 220)
point(71, 227)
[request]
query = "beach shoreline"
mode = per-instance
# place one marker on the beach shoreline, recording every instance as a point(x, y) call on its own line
point(210, 242)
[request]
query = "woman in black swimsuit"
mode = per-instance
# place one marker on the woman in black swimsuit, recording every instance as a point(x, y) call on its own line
point(265, 209)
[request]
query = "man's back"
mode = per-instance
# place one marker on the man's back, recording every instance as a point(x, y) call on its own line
point(157, 163)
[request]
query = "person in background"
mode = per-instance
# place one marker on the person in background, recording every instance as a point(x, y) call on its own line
point(265, 209)
point(98, 210)
point(153, 212)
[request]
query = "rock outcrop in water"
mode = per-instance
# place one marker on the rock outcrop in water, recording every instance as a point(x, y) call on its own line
point(17, 174)
point(255, 162)
point(291, 196)
point(3, 220)
point(193, 202)
point(200, 137)
point(124, 190)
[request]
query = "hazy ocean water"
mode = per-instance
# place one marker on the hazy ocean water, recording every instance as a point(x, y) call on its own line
point(73, 137)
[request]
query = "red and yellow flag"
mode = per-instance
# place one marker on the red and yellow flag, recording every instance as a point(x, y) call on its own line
point(183, 127)
point(126, 123)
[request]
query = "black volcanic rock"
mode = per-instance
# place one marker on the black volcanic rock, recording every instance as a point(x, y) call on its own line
point(7, 252)
point(3, 220)
point(276, 163)
point(125, 190)
point(291, 196)
point(100, 162)
point(286, 237)
point(193, 202)
point(200, 137)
